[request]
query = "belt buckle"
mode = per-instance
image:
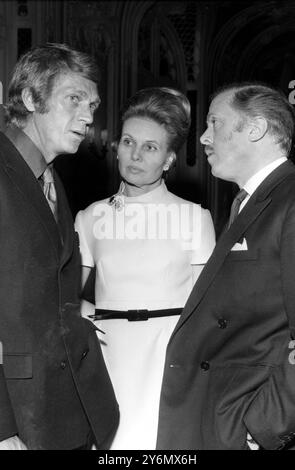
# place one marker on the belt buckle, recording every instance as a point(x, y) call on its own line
point(137, 315)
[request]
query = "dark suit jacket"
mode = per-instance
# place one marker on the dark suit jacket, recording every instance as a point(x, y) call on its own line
point(53, 384)
point(230, 360)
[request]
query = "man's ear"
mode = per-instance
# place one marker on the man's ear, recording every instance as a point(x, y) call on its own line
point(28, 99)
point(257, 128)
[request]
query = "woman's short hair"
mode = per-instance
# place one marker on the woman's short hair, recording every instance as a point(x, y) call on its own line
point(37, 70)
point(252, 99)
point(168, 107)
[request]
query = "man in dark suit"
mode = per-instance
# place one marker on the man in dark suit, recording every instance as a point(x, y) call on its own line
point(55, 392)
point(230, 369)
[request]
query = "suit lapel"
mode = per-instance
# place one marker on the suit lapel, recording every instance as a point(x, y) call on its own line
point(257, 203)
point(30, 189)
point(66, 224)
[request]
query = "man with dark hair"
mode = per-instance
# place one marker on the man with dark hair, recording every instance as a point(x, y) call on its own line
point(229, 376)
point(55, 392)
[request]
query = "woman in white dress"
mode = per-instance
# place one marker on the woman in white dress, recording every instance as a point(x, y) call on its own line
point(148, 247)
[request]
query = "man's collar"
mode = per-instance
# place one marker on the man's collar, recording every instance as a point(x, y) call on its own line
point(253, 183)
point(28, 150)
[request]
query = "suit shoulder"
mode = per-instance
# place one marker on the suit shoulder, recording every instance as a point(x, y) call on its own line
point(288, 184)
point(283, 195)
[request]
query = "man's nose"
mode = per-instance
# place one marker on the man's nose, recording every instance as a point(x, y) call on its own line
point(206, 138)
point(86, 115)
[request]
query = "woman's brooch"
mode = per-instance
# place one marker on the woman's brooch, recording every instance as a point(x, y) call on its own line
point(117, 200)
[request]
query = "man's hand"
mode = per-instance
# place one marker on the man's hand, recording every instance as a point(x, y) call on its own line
point(12, 443)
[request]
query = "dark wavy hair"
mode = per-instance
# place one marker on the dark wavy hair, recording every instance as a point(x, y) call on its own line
point(252, 99)
point(37, 70)
point(168, 107)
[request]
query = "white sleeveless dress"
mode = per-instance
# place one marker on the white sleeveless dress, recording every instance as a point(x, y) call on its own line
point(143, 263)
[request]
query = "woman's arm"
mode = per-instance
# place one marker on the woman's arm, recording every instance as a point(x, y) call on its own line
point(86, 270)
point(206, 247)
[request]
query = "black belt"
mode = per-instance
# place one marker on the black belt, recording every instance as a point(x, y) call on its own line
point(133, 315)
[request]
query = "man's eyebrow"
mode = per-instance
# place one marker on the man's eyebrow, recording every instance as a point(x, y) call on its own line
point(83, 93)
point(210, 116)
point(73, 89)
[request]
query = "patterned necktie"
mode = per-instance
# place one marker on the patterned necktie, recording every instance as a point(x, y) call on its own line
point(234, 211)
point(49, 190)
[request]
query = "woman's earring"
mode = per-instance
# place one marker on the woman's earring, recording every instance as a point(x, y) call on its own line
point(166, 167)
point(168, 164)
point(117, 157)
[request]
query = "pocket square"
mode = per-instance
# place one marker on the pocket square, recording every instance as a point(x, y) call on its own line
point(240, 246)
